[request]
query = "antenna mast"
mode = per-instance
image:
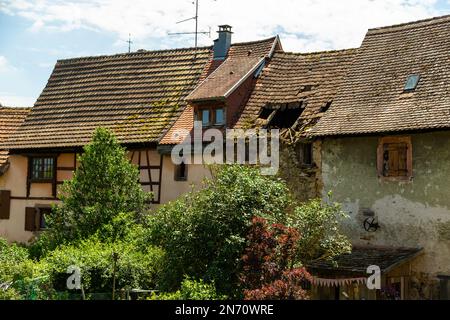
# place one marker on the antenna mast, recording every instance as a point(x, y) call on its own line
point(196, 33)
point(129, 42)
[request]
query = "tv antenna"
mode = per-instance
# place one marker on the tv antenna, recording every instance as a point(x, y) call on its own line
point(129, 42)
point(196, 33)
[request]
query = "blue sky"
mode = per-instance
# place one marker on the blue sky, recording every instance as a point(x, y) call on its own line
point(35, 33)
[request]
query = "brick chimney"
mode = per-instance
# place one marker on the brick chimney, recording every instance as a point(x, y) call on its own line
point(223, 43)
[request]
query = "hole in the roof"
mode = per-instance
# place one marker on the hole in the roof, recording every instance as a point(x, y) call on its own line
point(326, 107)
point(285, 118)
point(305, 88)
point(411, 82)
point(265, 113)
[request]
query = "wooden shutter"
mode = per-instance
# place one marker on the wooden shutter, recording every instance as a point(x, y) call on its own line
point(30, 219)
point(5, 204)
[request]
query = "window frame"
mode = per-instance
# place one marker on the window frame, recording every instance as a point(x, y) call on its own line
point(409, 160)
point(198, 116)
point(177, 176)
point(34, 179)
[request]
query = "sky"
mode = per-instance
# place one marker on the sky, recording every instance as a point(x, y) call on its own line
point(34, 34)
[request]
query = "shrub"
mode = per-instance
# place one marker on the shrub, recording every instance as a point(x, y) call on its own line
point(135, 269)
point(270, 269)
point(204, 233)
point(14, 262)
point(319, 226)
point(191, 290)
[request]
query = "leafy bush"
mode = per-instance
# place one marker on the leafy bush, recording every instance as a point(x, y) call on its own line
point(104, 186)
point(270, 269)
point(191, 290)
point(135, 269)
point(321, 237)
point(14, 262)
point(204, 232)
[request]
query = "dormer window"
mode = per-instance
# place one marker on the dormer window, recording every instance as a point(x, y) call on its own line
point(411, 82)
point(211, 116)
point(219, 118)
point(206, 117)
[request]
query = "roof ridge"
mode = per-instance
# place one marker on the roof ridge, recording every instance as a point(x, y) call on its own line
point(273, 38)
point(141, 52)
point(10, 108)
point(410, 25)
point(134, 53)
point(316, 52)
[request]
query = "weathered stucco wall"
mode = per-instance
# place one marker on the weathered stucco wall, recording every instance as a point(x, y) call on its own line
point(304, 181)
point(410, 214)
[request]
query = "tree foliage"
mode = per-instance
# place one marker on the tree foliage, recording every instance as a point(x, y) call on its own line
point(270, 268)
point(104, 187)
point(204, 232)
point(319, 226)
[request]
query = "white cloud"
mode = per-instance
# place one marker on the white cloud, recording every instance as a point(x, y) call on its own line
point(9, 99)
point(302, 24)
point(5, 66)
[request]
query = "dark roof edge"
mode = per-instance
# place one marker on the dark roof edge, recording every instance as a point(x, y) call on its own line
point(410, 25)
point(349, 50)
point(134, 53)
point(378, 133)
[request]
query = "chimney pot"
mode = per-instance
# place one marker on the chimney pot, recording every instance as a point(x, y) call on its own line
point(223, 43)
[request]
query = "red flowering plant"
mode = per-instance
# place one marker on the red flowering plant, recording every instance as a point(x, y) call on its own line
point(270, 270)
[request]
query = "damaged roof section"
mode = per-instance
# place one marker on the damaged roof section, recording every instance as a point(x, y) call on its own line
point(242, 61)
point(399, 81)
point(10, 120)
point(307, 82)
point(357, 262)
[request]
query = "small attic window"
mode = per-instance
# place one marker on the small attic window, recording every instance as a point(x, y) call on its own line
point(306, 88)
point(411, 82)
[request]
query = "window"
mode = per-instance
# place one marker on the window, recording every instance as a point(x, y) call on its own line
point(210, 116)
point(395, 158)
point(35, 218)
point(304, 154)
point(42, 168)
point(181, 172)
point(205, 117)
point(411, 82)
point(219, 118)
point(42, 212)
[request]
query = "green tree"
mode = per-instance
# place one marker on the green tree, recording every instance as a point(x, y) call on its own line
point(318, 224)
point(102, 195)
point(204, 232)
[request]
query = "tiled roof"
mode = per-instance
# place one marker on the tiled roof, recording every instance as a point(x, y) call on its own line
point(242, 60)
point(138, 95)
point(183, 125)
point(362, 257)
point(10, 119)
point(310, 78)
point(372, 99)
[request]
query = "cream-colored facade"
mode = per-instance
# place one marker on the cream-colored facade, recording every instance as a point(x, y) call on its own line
point(157, 174)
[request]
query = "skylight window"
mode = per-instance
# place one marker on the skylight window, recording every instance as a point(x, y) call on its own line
point(411, 82)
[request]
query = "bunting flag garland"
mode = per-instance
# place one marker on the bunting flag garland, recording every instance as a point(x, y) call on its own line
point(323, 282)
